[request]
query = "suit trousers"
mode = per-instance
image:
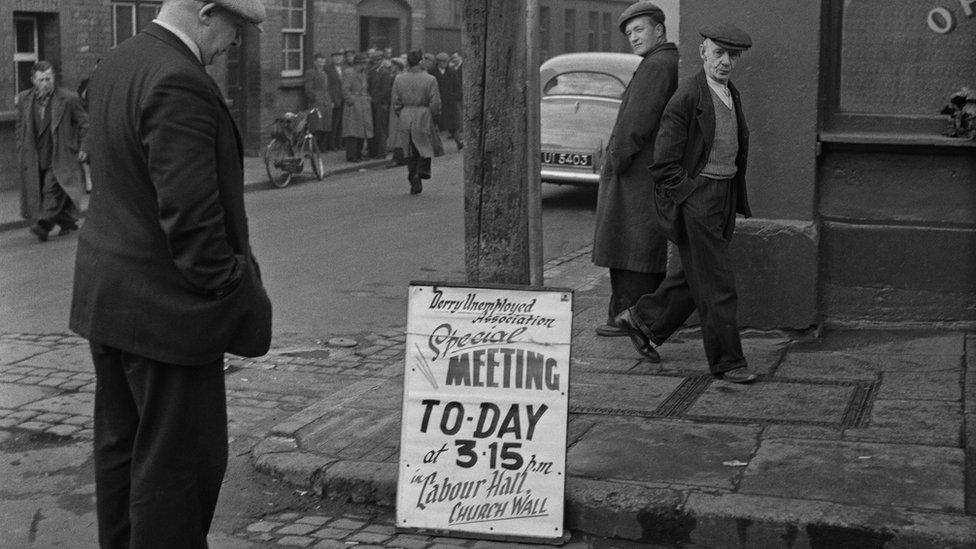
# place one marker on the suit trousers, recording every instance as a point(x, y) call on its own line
point(417, 166)
point(704, 279)
point(57, 208)
point(160, 449)
point(626, 287)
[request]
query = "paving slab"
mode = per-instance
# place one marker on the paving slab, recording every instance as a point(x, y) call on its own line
point(858, 473)
point(774, 401)
point(912, 421)
point(13, 395)
point(597, 364)
point(11, 353)
point(387, 395)
point(76, 358)
point(352, 433)
point(888, 342)
point(836, 365)
point(603, 392)
point(76, 404)
point(937, 385)
point(662, 451)
point(288, 383)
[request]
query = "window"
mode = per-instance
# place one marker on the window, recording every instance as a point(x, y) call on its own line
point(292, 37)
point(898, 80)
point(606, 31)
point(593, 31)
point(128, 18)
point(585, 83)
point(569, 31)
point(26, 49)
point(545, 24)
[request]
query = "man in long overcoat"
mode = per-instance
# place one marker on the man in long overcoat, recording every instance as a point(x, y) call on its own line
point(449, 86)
point(50, 125)
point(357, 117)
point(379, 80)
point(699, 169)
point(318, 97)
point(165, 281)
point(627, 239)
point(334, 73)
point(416, 100)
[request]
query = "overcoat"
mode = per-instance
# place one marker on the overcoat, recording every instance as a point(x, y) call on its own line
point(317, 95)
point(682, 148)
point(626, 234)
point(164, 267)
point(334, 75)
point(415, 100)
point(449, 86)
point(69, 121)
point(357, 117)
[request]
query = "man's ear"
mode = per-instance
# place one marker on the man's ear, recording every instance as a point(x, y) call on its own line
point(206, 13)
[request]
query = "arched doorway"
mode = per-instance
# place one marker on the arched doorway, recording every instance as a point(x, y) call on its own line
point(384, 23)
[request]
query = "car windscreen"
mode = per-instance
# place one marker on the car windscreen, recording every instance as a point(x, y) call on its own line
point(584, 83)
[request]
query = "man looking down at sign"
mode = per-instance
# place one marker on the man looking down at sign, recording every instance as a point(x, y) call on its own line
point(699, 172)
point(165, 281)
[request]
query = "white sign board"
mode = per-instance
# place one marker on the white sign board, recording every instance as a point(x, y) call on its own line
point(485, 404)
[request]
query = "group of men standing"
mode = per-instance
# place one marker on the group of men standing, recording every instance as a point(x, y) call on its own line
point(352, 96)
point(675, 171)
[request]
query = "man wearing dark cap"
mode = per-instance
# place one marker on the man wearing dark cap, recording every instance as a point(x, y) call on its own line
point(627, 239)
point(357, 116)
point(165, 280)
point(334, 73)
point(699, 172)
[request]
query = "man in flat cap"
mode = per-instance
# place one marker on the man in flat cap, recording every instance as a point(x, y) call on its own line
point(165, 280)
point(699, 170)
point(357, 116)
point(627, 239)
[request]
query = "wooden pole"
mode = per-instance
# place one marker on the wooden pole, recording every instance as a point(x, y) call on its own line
point(533, 96)
point(497, 137)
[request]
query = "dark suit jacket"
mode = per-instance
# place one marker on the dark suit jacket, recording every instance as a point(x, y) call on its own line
point(682, 148)
point(164, 267)
point(626, 234)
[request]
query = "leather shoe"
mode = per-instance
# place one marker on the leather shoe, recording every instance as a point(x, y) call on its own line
point(640, 340)
point(39, 232)
point(609, 330)
point(739, 375)
point(67, 229)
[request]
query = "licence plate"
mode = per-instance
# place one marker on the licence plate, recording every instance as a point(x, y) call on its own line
point(567, 159)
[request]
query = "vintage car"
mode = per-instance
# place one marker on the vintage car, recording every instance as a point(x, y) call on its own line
point(580, 97)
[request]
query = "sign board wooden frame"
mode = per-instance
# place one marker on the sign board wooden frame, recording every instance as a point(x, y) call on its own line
point(485, 410)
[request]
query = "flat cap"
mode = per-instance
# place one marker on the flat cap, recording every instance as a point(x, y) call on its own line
point(361, 58)
point(727, 36)
point(643, 7)
point(443, 56)
point(251, 11)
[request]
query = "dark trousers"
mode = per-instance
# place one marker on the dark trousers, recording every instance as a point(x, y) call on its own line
point(160, 449)
point(626, 287)
point(704, 280)
point(336, 136)
point(381, 127)
point(323, 140)
point(57, 208)
point(354, 149)
point(417, 166)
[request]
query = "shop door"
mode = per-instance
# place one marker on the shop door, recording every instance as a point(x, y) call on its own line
point(379, 33)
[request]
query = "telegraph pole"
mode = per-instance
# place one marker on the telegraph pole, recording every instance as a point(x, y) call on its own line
point(502, 207)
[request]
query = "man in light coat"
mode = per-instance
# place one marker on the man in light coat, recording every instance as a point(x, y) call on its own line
point(50, 125)
point(416, 100)
point(357, 116)
point(627, 239)
point(318, 97)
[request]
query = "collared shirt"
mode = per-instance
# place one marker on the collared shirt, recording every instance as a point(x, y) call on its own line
point(722, 91)
point(182, 36)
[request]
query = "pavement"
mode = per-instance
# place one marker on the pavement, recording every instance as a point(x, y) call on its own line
point(255, 178)
point(854, 438)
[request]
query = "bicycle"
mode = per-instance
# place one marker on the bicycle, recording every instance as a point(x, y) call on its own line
point(290, 133)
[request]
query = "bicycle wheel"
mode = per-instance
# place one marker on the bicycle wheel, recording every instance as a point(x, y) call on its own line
point(275, 158)
point(315, 157)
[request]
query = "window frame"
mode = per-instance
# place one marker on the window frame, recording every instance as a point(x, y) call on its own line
point(569, 30)
point(301, 33)
point(26, 57)
point(134, 5)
